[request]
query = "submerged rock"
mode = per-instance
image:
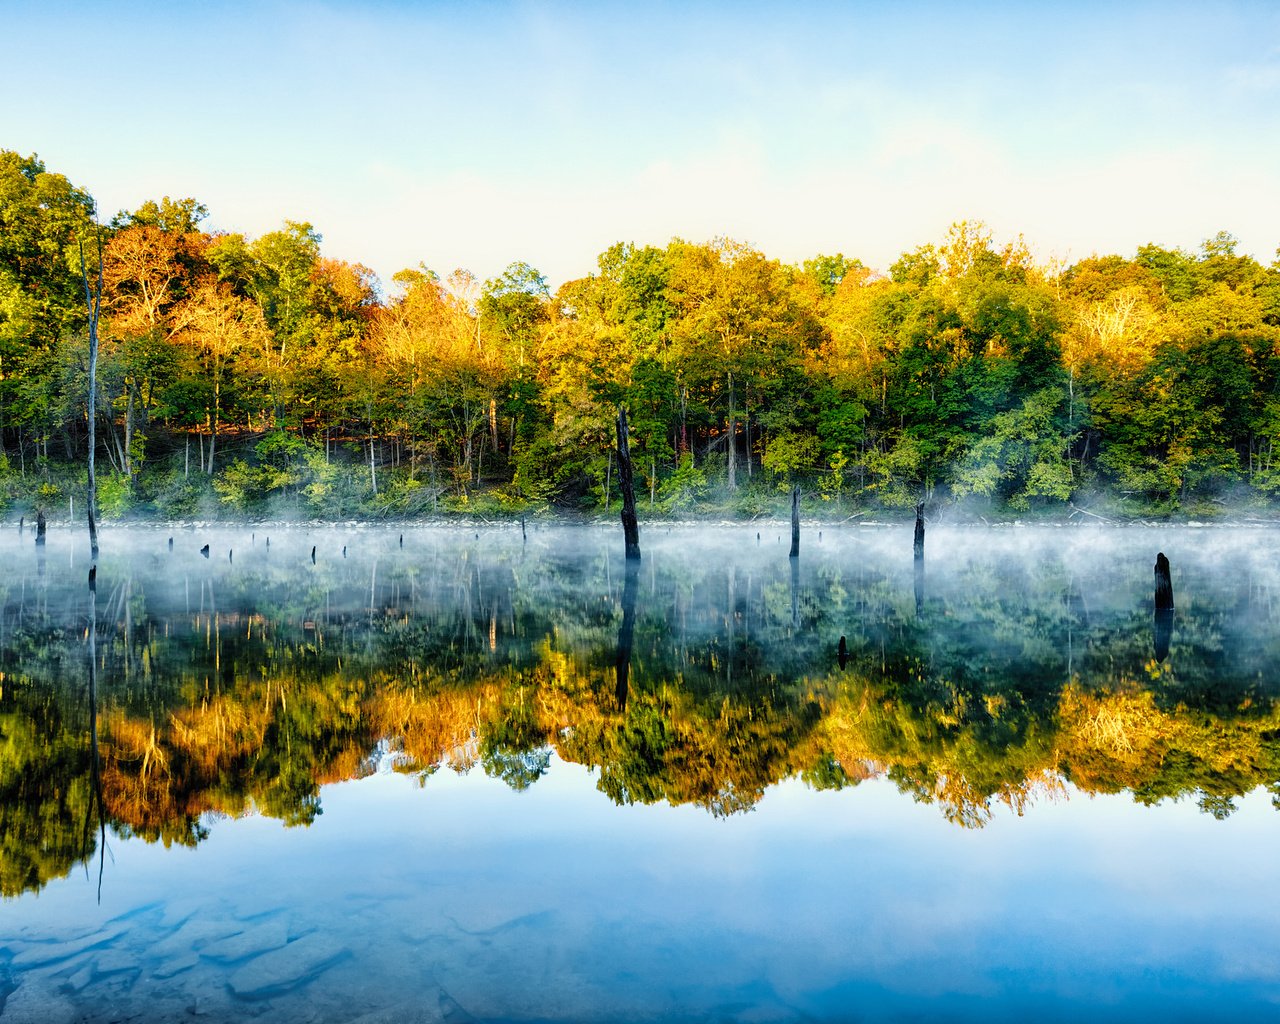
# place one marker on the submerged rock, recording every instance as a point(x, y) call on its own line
point(287, 968)
point(249, 943)
point(46, 953)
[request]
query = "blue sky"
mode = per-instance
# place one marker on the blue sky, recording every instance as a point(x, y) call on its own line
point(477, 134)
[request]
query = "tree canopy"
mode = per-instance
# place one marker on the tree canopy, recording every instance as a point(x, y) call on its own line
point(966, 372)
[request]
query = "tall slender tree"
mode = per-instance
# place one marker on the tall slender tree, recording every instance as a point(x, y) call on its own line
point(93, 306)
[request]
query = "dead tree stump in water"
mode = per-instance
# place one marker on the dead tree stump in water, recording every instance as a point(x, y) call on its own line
point(919, 539)
point(1164, 584)
point(795, 521)
point(630, 526)
point(41, 525)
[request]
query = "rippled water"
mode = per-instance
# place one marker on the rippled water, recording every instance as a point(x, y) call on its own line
point(444, 776)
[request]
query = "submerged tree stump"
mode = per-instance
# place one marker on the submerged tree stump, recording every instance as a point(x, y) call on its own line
point(626, 478)
point(41, 525)
point(918, 546)
point(1164, 584)
point(795, 521)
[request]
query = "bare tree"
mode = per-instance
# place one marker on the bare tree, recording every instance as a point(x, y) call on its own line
point(93, 305)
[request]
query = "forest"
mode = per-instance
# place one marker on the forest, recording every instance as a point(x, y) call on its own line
point(252, 377)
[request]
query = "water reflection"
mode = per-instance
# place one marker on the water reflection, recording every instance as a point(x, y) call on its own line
point(702, 676)
point(626, 631)
point(1163, 632)
point(95, 809)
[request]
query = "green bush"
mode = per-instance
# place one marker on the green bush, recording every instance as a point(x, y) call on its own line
point(114, 496)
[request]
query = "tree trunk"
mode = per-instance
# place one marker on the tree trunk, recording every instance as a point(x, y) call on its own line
point(213, 433)
point(630, 526)
point(795, 521)
point(129, 468)
point(93, 303)
point(733, 475)
point(1164, 584)
point(918, 544)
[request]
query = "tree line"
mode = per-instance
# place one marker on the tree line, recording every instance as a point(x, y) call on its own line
point(253, 374)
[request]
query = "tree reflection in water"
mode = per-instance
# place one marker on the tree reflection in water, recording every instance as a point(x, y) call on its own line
point(703, 677)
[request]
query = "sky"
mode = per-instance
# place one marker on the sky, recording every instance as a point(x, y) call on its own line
point(477, 134)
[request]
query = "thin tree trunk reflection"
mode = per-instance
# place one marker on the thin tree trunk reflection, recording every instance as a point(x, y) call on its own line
point(1163, 632)
point(95, 776)
point(795, 593)
point(626, 632)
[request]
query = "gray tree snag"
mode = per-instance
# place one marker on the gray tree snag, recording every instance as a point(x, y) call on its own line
point(626, 479)
point(93, 306)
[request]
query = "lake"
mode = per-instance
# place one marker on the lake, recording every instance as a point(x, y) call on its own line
point(416, 774)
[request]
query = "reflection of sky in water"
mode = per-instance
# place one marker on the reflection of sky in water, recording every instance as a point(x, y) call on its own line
point(467, 898)
point(555, 904)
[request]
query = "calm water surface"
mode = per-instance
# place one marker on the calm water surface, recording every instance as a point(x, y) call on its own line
point(442, 776)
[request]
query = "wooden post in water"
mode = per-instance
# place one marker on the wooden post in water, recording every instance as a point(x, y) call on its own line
point(1164, 584)
point(795, 521)
point(40, 526)
point(919, 540)
point(630, 526)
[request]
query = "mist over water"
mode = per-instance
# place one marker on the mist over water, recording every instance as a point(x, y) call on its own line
point(452, 773)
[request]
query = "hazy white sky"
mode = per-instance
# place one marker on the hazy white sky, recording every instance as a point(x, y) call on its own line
point(475, 134)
